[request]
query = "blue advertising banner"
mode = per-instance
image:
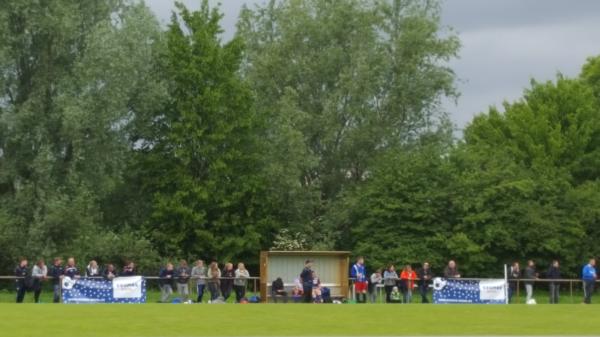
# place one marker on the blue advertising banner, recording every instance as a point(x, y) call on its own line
point(119, 290)
point(490, 291)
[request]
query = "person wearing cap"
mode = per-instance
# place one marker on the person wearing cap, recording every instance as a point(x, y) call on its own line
point(307, 281)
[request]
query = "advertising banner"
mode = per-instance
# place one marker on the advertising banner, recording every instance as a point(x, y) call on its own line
point(489, 291)
point(119, 290)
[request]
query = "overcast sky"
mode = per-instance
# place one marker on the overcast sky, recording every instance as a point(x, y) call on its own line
point(505, 43)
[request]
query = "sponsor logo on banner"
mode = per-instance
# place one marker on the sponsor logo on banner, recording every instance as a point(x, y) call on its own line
point(492, 290)
point(127, 287)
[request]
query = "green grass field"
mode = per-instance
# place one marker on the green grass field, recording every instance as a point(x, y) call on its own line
point(151, 320)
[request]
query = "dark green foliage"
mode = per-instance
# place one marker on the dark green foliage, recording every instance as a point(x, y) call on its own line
point(319, 125)
point(202, 166)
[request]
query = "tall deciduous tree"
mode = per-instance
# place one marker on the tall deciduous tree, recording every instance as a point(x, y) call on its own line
point(71, 74)
point(523, 173)
point(348, 80)
point(202, 165)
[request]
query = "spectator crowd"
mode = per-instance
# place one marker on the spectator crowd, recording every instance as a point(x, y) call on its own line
point(221, 283)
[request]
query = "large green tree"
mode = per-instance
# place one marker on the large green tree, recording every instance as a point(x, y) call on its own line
point(72, 74)
point(340, 83)
point(202, 165)
point(524, 174)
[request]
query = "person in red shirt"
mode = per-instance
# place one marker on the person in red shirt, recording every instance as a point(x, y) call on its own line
point(407, 279)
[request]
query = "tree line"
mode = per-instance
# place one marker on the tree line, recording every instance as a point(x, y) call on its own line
point(319, 125)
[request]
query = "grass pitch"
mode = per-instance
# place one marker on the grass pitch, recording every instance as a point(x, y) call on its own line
point(150, 320)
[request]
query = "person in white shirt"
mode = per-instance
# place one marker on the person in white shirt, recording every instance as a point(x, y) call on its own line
point(376, 279)
point(39, 274)
point(241, 282)
point(92, 269)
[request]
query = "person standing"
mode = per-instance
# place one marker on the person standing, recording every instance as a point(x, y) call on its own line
point(306, 276)
point(214, 279)
point(554, 287)
point(129, 269)
point(71, 270)
point(166, 277)
point(23, 279)
point(241, 282)
point(92, 269)
point(199, 274)
point(425, 276)
point(407, 278)
point(110, 272)
point(451, 270)
point(359, 274)
point(227, 275)
point(56, 272)
point(589, 277)
point(530, 275)
point(390, 277)
point(183, 279)
point(376, 279)
point(39, 274)
point(513, 276)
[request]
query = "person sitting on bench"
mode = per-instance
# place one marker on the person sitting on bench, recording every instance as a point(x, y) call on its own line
point(278, 290)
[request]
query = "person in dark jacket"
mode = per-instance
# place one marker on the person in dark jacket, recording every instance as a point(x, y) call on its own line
point(554, 287)
point(306, 276)
point(425, 275)
point(166, 275)
point(71, 269)
point(129, 269)
point(513, 275)
point(183, 280)
point(278, 290)
point(110, 272)
point(227, 276)
point(530, 274)
point(23, 279)
point(451, 270)
point(56, 272)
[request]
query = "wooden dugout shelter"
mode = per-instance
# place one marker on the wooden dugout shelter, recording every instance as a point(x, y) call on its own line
point(331, 268)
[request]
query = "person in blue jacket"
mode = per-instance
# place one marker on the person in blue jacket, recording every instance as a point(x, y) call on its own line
point(359, 274)
point(589, 280)
point(307, 281)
